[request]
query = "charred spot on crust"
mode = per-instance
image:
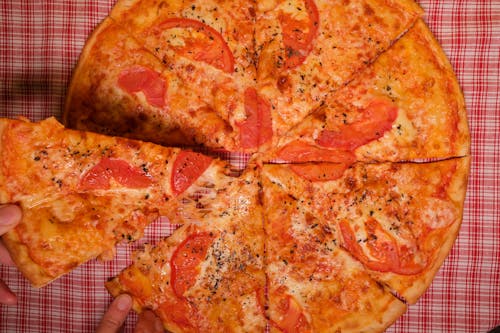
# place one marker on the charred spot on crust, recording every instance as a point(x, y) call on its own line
point(284, 83)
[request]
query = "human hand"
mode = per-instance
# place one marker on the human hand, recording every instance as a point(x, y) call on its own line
point(10, 216)
point(117, 313)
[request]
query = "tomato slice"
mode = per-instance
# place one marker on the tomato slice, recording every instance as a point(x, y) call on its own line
point(377, 119)
point(317, 172)
point(179, 311)
point(300, 151)
point(203, 43)
point(257, 129)
point(385, 249)
point(292, 319)
point(382, 247)
point(298, 35)
point(188, 166)
point(150, 82)
point(100, 175)
point(185, 260)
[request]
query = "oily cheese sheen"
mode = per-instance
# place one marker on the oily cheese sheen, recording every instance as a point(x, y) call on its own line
point(359, 151)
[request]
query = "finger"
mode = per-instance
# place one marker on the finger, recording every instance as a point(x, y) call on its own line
point(10, 216)
point(7, 297)
point(115, 316)
point(5, 257)
point(148, 323)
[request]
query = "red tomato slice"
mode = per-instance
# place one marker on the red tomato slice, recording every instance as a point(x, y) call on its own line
point(382, 247)
point(100, 175)
point(317, 172)
point(299, 151)
point(377, 119)
point(180, 312)
point(299, 35)
point(138, 78)
point(293, 319)
point(211, 49)
point(257, 128)
point(385, 249)
point(185, 260)
point(188, 166)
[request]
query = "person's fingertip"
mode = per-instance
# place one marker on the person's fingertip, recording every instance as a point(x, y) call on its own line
point(116, 314)
point(123, 302)
point(10, 215)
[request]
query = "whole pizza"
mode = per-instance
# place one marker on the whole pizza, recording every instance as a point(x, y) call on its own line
point(356, 135)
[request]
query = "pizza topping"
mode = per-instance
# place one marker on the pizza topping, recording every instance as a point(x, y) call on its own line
point(257, 128)
point(437, 213)
point(317, 172)
point(200, 42)
point(188, 166)
point(99, 177)
point(179, 311)
point(299, 151)
point(150, 82)
point(298, 35)
point(377, 119)
point(387, 255)
point(292, 318)
point(185, 261)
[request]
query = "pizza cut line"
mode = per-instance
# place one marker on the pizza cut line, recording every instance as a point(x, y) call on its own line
point(359, 156)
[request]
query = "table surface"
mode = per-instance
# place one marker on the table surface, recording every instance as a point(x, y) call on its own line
point(40, 42)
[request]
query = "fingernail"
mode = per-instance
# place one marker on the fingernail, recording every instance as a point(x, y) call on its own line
point(123, 302)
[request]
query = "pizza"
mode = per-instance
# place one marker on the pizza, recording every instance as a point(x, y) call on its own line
point(81, 193)
point(222, 77)
point(111, 100)
point(406, 106)
point(394, 218)
point(309, 49)
point(195, 82)
point(208, 276)
point(314, 284)
point(356, 133)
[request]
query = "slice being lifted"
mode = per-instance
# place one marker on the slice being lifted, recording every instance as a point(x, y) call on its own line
point(309, 48)
point(398, 220)
point(406, 106)
point(208, 276)
point(81, 193)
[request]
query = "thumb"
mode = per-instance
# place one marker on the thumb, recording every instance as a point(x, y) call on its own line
point(115, 316)
point(10, 216)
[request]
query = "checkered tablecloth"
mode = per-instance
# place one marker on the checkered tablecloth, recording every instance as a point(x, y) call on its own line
point(40, 41)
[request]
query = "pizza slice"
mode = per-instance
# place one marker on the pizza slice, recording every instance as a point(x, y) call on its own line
point(119, 88)
point(314, 285)
point(81, 193)
point(208, 276)
point(209, 47)
point(308, 49)
point(406, 106)
point(399, 220)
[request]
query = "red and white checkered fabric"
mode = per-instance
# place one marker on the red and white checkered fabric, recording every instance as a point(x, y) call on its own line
point(40, 42)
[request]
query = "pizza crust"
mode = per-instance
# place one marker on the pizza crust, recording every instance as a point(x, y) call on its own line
point(20, 255)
